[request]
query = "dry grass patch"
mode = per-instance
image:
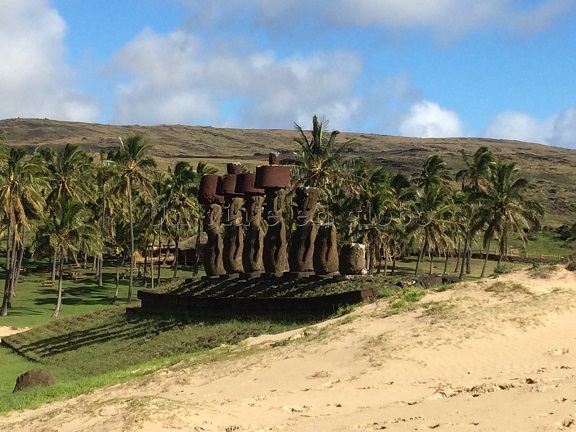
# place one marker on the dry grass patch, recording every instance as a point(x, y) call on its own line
point(506, 289)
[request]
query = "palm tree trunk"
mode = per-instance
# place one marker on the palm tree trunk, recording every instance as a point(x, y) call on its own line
point(54, 264)
point(159, 254)
point(421, 254)
point(431, 255)
point(197, 250)
point(152, 262)
point(60, 276)
point(446, 262)
point(485, 259)
point(7, 282)
point(175, 263)
point(101, 257)
point(458, 252)
point(393, 265)
point(503, 249)
point(145, 265)
point(469, 257)
point(18, 266)
point(13, 270)
point(131, 217)
point(464, 255)
point(385, 263)
point(117, 278)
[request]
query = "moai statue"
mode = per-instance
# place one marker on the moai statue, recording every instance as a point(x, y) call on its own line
point(301, 250)
point(353, 259)
point(274, 179)
point(254, 236)
point(212, 256)
point(326, 250)
point(232, 221)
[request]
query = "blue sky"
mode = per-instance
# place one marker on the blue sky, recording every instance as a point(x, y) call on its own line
point(426, 68)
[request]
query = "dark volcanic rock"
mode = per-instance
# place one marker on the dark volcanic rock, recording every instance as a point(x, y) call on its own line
point(353, 259)
point(325, 257)
point(34, 378)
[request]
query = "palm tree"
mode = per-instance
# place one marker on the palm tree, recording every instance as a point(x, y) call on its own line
point(181, 211)
point(477, 173)
point(105, 204)
point(319, 158)
point(70, 172)
point(474, 180)
point(22, 180)
point(435, 211)
point(135, 170)
point(66, 232)
point(504, 209)
point(434, 172)
point(69, 178)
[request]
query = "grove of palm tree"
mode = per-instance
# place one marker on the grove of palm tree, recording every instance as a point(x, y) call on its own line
point(65, 206)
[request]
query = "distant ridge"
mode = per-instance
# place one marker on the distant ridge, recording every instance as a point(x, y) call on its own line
point(552, 169)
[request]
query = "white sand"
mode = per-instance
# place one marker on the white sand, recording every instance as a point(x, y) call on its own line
point(8, 331)
point(499, 355)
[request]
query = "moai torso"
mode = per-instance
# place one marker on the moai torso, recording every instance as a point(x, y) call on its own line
point(253, 240)
point(232, 221)
point(213, 263)
point(275, 244)
point(326, 250)
point(301, 251)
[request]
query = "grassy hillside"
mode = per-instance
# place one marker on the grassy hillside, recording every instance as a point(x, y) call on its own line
point(550, 168)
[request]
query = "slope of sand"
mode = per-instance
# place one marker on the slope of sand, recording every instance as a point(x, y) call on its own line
point(8, 331)
point(495, 355)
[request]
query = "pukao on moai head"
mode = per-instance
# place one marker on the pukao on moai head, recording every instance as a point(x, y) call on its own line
point(252, 213)
point(274, 179)
point(232, 220)
point(212, 202)
point(300, 253)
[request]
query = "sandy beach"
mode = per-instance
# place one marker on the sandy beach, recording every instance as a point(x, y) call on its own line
point(492, 355)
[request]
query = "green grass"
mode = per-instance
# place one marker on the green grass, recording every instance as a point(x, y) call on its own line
point(105, 346)
point(35, 302)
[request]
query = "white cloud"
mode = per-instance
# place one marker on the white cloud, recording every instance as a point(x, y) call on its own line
point(541, 16)
point(174, 79)
point(429, 120)
point(446, 19)
point(563, 129)
point(517, 126)
point(558, 130)
point(34, 80)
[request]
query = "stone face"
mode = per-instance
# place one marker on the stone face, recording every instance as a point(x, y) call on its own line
point(275, 254)
point(325, 258)
point(254, 236)
point(301, 250)
point(353, 259)
point(213, 251)
point(34, 378)
point(233, 241)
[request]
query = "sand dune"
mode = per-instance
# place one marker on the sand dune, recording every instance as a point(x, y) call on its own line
point(494, 355)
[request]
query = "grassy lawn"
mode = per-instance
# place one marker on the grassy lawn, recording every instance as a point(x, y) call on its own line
point(106, 346)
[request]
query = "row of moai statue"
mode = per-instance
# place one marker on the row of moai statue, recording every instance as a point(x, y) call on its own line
point(237, 246)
